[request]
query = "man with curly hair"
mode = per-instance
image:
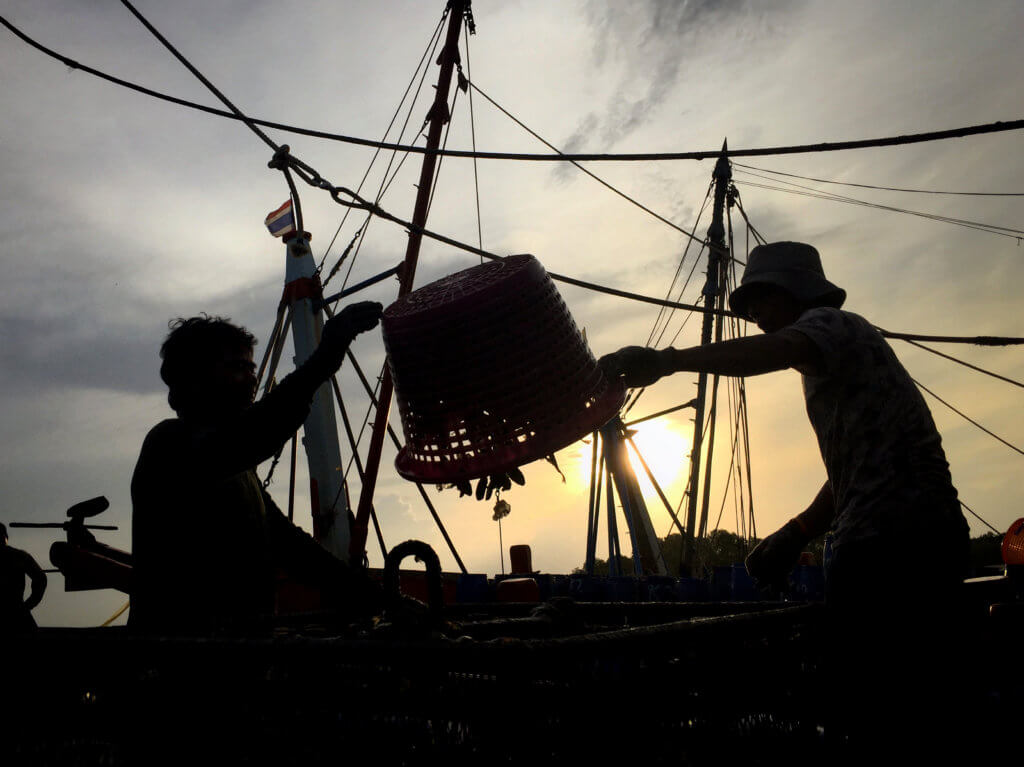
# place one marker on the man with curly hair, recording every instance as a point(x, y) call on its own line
point(206, 537)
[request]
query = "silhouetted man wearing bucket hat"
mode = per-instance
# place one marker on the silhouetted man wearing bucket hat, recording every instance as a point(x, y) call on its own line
point(888, 497)
point(888, 487)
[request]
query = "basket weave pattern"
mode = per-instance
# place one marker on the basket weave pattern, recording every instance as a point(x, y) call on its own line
point(490, 372)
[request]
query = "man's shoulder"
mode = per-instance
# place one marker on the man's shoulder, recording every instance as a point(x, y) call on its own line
point(163, 443)
point(828, 320)
point(18, 557)
point(168, 430)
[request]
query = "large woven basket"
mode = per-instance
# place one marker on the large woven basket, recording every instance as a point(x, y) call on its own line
point(491, 372)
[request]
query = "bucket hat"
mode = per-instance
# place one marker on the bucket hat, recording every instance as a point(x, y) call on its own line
point(793, 266)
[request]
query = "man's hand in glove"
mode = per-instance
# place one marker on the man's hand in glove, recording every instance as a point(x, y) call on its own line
point(773, 558)
point(638, 366)
point(344, 326)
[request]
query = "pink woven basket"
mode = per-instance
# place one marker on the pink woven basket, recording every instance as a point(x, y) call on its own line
point(491, 372)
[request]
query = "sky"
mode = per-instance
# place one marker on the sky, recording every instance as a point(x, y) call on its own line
point(120, 212)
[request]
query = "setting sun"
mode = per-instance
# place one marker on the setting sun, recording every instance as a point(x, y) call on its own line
point(664, 448)
point(665, 451)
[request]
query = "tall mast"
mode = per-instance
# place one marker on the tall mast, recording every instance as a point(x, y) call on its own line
point(718, 253)
point(320, 432)
point(438, 117)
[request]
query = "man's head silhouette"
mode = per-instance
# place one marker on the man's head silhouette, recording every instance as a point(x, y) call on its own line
point(208, 366)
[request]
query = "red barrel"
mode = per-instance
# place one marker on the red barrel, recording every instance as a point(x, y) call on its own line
point(491, 372)
point(1013, 544)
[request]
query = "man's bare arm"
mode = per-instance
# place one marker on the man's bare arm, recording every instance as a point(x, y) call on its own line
point(817, 518)
point(641, 366)
point(744, 356)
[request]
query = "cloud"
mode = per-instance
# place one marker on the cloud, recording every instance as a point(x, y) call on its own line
point(649, 43)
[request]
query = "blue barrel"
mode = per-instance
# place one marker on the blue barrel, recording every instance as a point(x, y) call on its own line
point(721, 583)
point(622, 588)
point(691, 589)
point(743, 588)
point(587, 588)
point(471, 587)
point(808, 583)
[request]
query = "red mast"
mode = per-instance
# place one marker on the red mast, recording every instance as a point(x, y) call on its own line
point(438, 117)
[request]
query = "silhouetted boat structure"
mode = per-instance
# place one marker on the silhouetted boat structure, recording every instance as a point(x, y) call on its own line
point(646, 667)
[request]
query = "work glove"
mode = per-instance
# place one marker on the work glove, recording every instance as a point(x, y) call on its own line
point(774, 558)
point(341, 329)
point(344, 326)
point(638, 366)
point(338, 333)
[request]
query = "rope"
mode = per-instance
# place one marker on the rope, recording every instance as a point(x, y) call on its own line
point(572, 159)
point(965, 364)
point(310, 176)
point(966, 417)
point(444, 144)
point(675, 278)
point(989, 228)
point(882, 188)
point(385, 184)
point(912, 138)
point(116, 615)
point(975, 514)
point(199, 75)
point(750, 227)
point(856, 201)
point(977, 340)
point(427, 54)
point(476, 176)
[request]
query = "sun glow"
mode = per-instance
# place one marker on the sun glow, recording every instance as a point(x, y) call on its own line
point(664, 448)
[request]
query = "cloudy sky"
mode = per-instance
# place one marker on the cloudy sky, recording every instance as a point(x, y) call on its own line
point(119, 212)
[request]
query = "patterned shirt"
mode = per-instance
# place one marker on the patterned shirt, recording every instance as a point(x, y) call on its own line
point(882, 452)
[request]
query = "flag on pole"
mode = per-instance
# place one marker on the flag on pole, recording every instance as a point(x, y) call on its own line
point(281, 221)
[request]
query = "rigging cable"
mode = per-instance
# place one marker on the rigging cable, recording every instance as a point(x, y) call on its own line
point(188, 65)
point(966, 417)
point(965, 364)
point(444, 143)
point(427, 54)
point(576, 164)
point(750, 227)
point(662, 313)
point(311, 177)
point(977, 516)
point(881, 188)
point(293, 162)
point(856, 201)
point(472, 138)
point(675, 278)
point(336, 192)
point(1002, 231)
point(833, 146)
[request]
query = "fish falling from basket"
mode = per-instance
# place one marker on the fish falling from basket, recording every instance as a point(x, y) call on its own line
point(491, 373)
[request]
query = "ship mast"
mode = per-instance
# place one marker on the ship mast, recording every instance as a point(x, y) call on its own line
point(718, 261)
point(437, 116)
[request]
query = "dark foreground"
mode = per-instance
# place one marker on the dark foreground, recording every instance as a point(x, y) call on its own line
point(709, 683)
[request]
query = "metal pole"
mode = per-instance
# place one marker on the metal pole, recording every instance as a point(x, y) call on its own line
point(438, 116)
point(712, 286)
point(613, 529)
point(591, 509)
point(320, 429)
point(646, 550)
point(419, 486)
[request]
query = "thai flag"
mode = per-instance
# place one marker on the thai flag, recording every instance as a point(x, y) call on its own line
point(281, 221)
